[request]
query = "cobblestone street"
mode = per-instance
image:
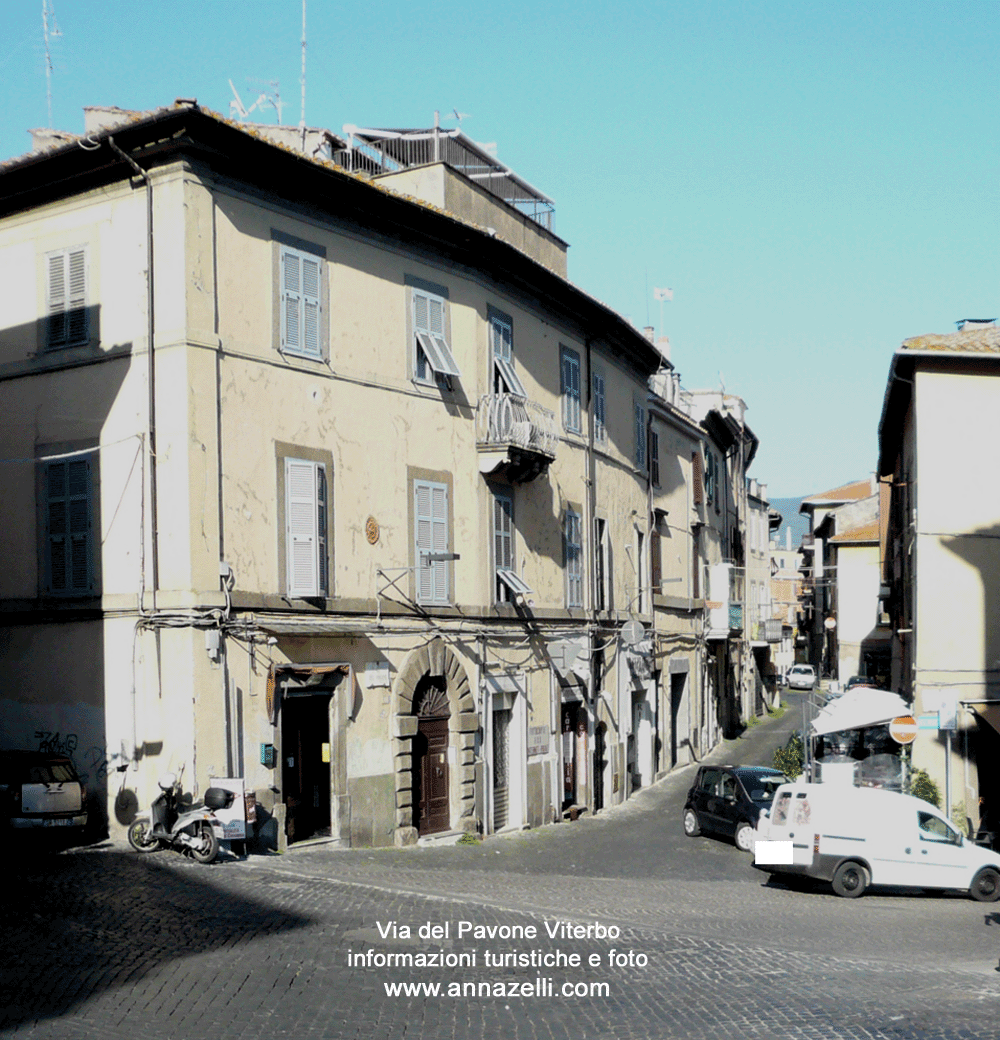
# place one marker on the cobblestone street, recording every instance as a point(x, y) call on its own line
point(106, 943)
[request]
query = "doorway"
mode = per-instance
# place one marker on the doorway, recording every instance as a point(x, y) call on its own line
point(431, 794)
point(678, 685)
point(305, 748)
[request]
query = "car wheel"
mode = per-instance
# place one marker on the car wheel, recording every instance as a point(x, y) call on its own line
point(692, 828)
point(744, 837)
point(851, 880)
point(985, 886)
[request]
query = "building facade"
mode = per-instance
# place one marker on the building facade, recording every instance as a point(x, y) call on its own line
point(319, 486)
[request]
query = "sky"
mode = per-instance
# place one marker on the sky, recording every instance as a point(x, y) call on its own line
point(815, 181)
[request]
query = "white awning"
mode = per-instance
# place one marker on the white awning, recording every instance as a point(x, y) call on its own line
point(862, 706)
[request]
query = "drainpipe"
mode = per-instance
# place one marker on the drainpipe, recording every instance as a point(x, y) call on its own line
point(150, 329)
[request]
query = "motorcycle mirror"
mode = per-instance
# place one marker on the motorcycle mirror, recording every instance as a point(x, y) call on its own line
point(167, 781)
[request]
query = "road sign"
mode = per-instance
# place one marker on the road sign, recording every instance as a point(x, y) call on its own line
point(929, 720)
point(903, 729)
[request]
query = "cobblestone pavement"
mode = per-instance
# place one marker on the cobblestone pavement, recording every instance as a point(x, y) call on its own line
point(105, 943)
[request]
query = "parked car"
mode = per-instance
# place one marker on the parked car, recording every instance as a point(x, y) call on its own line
point(853, 837)
point(41, 794)
point(859, 680)
point(801, 677)
point(729, 800)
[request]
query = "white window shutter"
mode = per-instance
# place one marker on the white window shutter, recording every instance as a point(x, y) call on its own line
point(431, 522)
point(77, 303)
point(301, 531)
point(291, 300)
point(311, 307)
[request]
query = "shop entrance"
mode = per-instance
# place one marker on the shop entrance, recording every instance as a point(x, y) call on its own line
point(305, 748)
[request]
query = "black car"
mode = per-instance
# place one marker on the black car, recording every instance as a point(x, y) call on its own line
point(729, 800)
point(41, 794)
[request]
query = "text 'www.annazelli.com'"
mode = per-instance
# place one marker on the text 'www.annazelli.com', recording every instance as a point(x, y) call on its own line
point(507, 988)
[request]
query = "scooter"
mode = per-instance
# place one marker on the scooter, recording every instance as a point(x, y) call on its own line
point(196, 832)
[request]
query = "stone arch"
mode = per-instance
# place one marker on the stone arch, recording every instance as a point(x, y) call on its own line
point(435, 659)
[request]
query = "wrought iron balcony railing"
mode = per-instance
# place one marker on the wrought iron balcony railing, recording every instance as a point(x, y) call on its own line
point(509, 420)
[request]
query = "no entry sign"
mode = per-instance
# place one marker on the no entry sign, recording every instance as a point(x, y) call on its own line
point(903, 729)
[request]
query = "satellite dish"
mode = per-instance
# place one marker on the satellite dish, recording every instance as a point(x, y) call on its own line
point(633, 633)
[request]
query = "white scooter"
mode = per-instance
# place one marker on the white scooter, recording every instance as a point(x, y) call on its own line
point(197, 831)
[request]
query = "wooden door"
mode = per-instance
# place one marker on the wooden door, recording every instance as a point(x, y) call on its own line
point(430, 772)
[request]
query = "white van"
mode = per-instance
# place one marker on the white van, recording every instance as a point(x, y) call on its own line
point(854, 837)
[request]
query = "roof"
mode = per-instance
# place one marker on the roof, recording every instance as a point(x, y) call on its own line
point(864, 533)
point(845, 493)
point(982, 339)
point(312, 185)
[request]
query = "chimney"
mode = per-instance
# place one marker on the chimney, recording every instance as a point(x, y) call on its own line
point(649, 332)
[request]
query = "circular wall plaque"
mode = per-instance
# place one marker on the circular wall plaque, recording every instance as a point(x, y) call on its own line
point(371, 530)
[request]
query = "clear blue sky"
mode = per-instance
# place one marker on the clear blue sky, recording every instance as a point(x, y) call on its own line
point(816, 181)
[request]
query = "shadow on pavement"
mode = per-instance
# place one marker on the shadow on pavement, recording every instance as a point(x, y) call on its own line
point(77, 925)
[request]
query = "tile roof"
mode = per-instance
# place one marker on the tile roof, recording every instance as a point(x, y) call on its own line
point(865, 533)
point(982, 339)
point(846, 493)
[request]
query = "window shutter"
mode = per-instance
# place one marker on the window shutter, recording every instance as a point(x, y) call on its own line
point(431, 520)
point(69, 520)
point(301, 528)
point(310, 307)
point(640, 436)
point(697, 478)
point(654, 559)
point(67, 295)
point(599, 407)
point(571, 390)
point(574, 561)
point(291, 300)
point(76, 319)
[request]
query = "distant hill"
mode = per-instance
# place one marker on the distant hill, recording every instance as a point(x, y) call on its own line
point(790, 518)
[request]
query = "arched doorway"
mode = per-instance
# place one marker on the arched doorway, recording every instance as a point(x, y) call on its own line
point(435, 716)
point(431, 807)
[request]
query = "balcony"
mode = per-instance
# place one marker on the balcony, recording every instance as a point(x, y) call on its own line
point(767, 631)
point(514, 436)
point(735, 617)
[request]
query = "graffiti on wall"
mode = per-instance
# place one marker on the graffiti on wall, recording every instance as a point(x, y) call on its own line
point(95, 758)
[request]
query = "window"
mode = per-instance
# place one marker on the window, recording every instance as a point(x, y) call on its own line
point(505, 379)
point(306, 527)
point(301, 303)
point(640, 435)
point(601, 597)
point(431, 536)
point(508, 583)
point(600, 407)
point(656, 560)
point(433, 360)
point(66, 304)
point(654, 457)
point(570, 378)
point(572, 540)
point(69, 537)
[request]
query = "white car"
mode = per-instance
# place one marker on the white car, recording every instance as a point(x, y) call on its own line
point(801, 677)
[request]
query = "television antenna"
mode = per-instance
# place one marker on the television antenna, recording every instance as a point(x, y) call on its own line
point(239, 111)
point(48, 34)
